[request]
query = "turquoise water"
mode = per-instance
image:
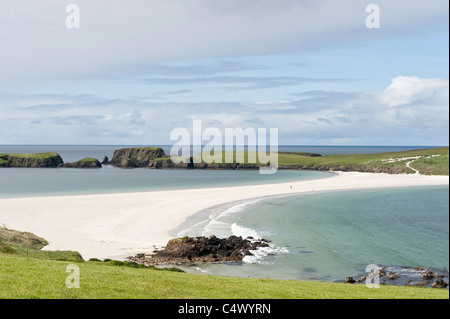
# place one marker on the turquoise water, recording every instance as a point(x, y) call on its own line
point(330, 236)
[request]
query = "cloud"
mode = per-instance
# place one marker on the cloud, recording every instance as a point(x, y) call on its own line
point(136, 118)
point(240, 82)
point(255, 122)
point(343, 119)
point(192, 69)
point(74, 120)
point(409, 111)
point(407, 90)
point(321, 119)
point(116, 39)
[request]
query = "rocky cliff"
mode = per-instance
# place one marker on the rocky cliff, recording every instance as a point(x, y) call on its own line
point(31, 160)
point(87, 162)
point(136, 156)
point(166, 163)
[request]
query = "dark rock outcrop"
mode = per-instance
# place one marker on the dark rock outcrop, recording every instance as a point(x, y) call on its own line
point(392, 276)
point(201, 249)
point(166, 163)
point(136, 156)
point(409, 276)
point(349, 280)
point(361, 279)
point(428, 275)
point(105, 160)
point(31, 160)
point(440, 283)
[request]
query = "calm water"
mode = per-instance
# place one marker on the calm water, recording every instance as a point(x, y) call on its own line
point(330, 236)
point(26, 182)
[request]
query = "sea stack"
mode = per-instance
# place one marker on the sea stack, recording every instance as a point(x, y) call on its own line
point(136, 156)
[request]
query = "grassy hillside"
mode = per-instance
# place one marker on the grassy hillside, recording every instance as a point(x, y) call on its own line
point(22, 277)
point(30, 245)
point(376, 162)
point(26, 272)
point(432, 166)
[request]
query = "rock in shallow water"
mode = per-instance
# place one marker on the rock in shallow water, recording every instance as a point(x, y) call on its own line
point(202, 249)
point(410, 276)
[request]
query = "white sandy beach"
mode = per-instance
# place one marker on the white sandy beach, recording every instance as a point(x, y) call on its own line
point(120, 225)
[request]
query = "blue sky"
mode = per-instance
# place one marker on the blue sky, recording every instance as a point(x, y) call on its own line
point(130, 75)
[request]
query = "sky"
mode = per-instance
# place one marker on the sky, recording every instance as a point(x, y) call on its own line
point(136, 70)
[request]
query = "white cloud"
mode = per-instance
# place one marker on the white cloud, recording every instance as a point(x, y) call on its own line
point(410, 111)
point(410, 89)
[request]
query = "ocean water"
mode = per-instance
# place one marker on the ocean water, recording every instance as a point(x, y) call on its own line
point(28, 182)
point(333, 235)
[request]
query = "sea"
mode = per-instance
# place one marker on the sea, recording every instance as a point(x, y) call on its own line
point(325, 236)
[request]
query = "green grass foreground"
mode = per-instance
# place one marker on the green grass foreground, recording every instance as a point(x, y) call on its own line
point(30, 278)
point(27, 272)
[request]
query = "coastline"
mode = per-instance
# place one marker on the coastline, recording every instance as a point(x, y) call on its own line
point(122, 224)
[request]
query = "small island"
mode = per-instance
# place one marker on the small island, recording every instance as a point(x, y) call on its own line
point(136, 156)
point(45, 160)
point(49, 159)
point(87, 162)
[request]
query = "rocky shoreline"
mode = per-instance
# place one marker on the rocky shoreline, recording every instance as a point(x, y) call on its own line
point(188, 250)
point(406, 276)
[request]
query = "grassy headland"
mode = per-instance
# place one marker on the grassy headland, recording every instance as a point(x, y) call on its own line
point(438, 165)
point(390, 162)
point(376, 162)
point(49, 159)
point(87, 162)
point(29, 245)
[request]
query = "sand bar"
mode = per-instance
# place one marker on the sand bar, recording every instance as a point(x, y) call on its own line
point(120, 225)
